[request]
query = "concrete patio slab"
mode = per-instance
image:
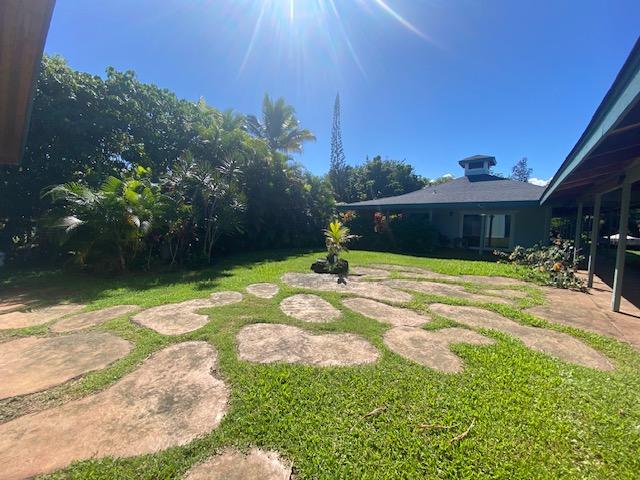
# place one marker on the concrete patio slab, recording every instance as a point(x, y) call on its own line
point(431, 348)
point(275, 343)
point(233, 465)
point(329, 283)
point(32, 364)
point(263, 290)
point(90, 319)
point(309, 308)
point(170, 400)
point(384, 313)
point(557, 344)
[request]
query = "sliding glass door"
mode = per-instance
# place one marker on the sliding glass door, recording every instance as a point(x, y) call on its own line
point(497, 230)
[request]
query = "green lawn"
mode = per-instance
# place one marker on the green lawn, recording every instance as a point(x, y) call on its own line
point(535, 417)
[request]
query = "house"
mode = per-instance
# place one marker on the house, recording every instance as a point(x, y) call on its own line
point(479, 210)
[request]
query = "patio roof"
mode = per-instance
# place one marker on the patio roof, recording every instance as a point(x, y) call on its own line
point(23, 30)
point(609, 144)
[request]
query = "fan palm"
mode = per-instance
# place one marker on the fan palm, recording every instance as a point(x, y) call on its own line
point(279, 126)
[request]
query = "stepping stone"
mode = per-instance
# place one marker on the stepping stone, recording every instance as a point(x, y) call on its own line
point(431, 348)
point(263, 290)
point(32, 364)
point(276, 343)
point(367, 273)
point(423, 273)
point(233, 465)
point(179, 318)
point(385, 313)
point(443, 289)
point(329, 283)
point(174, 397)
point(90, 319)
point(507, 293)
point(38, 316)
point(494, 281)
point(557, 344)
point(309, 308)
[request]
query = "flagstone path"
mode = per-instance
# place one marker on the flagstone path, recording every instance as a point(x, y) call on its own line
point(263, 290)
point(444, 290)
point(309, 308)
point(37, 316)
point(90, 319)
point(172, 398)
point(233, 465)
point(385, 313)
point(272, 343)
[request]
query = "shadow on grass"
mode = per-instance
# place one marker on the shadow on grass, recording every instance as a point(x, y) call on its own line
point(38, 288)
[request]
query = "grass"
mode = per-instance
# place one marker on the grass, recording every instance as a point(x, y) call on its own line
point(535, 417)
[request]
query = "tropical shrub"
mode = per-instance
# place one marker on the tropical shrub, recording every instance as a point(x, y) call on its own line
point(555, 264)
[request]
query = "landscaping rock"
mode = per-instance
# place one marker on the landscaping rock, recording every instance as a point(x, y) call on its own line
point(263, 290)
point(329, 283)
point(385, 313)
point(557, 344)
point(179, 318)
point(89, 319)
point(171, 399)
point(38, 316)
point(32, 364)
point(443, 289)
point(275, 343)
point(233, 465)
point(309, 308)
point(431, 348)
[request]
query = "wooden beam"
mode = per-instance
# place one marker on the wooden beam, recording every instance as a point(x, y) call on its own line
point(23, 30)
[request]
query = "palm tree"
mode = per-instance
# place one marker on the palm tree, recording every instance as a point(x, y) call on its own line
point(279, 126)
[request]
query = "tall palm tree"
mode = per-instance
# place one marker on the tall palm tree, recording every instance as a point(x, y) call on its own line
point(279, 126)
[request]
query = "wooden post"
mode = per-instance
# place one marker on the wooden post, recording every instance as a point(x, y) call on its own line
point(595, 234)
point(576, 238)
point(547, 226)
point(622, 246)
point(483, 219)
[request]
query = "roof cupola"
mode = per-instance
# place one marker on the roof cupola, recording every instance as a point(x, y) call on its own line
point(477, 165)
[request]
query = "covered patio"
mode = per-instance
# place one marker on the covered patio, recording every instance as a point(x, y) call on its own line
point(603, 169)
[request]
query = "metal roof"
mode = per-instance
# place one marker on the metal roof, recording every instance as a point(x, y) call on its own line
point(474, 190)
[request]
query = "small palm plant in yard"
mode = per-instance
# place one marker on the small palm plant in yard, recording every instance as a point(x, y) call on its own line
point(337, 236)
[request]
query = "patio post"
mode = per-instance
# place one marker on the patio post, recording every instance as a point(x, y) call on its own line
point(595, 232)
point(622, 245)
point(576, 239)
point(483, 219)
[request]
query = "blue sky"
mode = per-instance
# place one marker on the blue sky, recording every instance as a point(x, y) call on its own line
point(426, 81)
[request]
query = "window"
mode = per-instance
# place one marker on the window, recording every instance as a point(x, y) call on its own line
point(475, 165)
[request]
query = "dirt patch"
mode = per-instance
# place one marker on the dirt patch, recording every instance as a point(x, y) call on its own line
point(443, 289)
point(309, 308)
point(233, 465)
point(275, 343)
point(557, 344)
point(179, 318)
point(171, 399)
point(385, 313)
point(329, 283)
point(263, 290)
point(38, 316)
point(32, 364)
point(89, 319)
point(431, 348)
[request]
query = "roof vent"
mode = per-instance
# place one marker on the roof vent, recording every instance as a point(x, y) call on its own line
point(477, 165)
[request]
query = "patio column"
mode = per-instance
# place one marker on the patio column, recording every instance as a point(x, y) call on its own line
point(483, 220)
point(622, 246)
point(576, 238)
point(595, 233)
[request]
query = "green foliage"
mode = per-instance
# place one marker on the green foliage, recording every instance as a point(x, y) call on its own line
point(521, 170)
point(337, 237)
point(279, 126)
point(556, 264)
point(338, 170)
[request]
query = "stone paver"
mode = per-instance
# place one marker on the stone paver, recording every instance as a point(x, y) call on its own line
point(329, 283)
point(385, 313)
point(309, 308)
point(263, 290)
point(179, 318)
point(367, 273)
point(443, 289)
point(495, 281)
point(557, 344)
point(431, 348)
point(170, 400)
point(37, 316)
point(233, 465)
point(275, 343)
point(32, 364)
point(90, 319)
